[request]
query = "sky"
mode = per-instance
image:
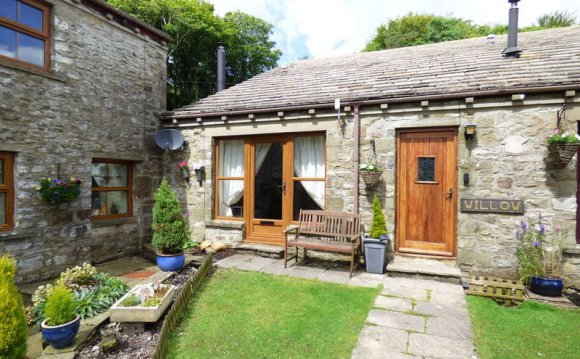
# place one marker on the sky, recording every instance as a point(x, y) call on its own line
point(324, 28)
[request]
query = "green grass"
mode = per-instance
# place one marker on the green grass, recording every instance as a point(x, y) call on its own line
point(532, 330)
point(256, 315)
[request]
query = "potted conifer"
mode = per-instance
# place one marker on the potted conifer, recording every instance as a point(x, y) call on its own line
point(375, 246)
point(170, 231)
point(62, 322)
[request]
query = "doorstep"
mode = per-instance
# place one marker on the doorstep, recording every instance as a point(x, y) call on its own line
point(443, 270)
point(262, 250)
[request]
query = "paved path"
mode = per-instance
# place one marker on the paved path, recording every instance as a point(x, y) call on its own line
point(411, 318)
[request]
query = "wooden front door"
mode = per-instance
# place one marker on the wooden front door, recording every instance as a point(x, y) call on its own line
point(427, 191)
point(269, 161)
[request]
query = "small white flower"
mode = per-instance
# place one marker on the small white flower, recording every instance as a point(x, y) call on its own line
point(363, 166)
point(577, 137)
point(565, 134)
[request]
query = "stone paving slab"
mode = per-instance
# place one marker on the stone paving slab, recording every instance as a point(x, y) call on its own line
point(377, 342)
point(432, 285)
point(334, 276)
point(440, 347)
point(392, 303)
point(233, 261)
point(450, 327)
point(255, 263)
point(396, 320)
point(406, 292)
point(307, 272)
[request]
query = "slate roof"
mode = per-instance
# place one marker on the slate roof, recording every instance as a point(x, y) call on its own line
point(549, 58)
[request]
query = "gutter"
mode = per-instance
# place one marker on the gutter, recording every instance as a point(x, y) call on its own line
point(450, 96)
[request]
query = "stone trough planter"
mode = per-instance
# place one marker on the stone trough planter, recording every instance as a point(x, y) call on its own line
point(139, 313)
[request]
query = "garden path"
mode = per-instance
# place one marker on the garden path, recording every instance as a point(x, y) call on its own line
point(411, 318)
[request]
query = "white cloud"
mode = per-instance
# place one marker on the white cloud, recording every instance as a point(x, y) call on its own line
point(326, 28)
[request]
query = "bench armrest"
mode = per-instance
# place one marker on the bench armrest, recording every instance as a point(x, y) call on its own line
point(290, 228)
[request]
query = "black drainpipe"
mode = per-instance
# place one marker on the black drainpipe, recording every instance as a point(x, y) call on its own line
point(512, 49)
point(221, 68)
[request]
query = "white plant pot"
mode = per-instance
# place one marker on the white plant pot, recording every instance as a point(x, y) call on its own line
point(140, 314)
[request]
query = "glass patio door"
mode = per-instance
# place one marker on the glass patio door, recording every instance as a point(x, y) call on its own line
point(268, 185)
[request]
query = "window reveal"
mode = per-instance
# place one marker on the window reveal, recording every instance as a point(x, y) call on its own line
point(112, 189)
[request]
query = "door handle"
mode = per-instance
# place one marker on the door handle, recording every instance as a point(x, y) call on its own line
point(283, 186)
point(449, 194)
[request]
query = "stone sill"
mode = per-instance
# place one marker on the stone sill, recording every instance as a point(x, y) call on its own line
point(572, 249)
point(101, 223)
point(39, 72)
point(225, 224)
point(14, 235)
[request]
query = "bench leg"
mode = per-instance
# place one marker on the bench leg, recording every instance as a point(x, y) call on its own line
point(351, 263)
point(285, 254)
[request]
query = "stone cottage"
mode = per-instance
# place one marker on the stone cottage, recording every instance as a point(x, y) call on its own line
point(81, 87)
point(458, 128)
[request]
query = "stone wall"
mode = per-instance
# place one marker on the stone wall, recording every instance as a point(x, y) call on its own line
point(100, 100)
point(506, 160)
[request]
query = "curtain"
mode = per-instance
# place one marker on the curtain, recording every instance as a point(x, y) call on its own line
point(309, 162)
point(231, 165)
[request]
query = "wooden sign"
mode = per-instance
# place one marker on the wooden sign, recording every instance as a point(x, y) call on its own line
point(512, 206)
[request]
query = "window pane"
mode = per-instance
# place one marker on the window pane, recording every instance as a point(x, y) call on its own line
point(231, 198)
point(307, 195)
point(7, 42)
point(3, 205)
point(268, 184)
point(30, 16)
point(309, 157)
point(30, 49)
point(109, 203)
point(1, 171)
point(8, 9)
point(231, 158)
point(426, 169)
point(110, 175)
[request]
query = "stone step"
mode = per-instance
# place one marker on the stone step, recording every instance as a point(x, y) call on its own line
point(262, 250)
point(444, 270)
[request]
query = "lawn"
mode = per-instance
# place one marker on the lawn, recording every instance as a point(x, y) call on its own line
point(256, 315)
point(532, 330)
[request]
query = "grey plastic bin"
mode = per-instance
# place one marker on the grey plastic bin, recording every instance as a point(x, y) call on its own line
point(375, 255)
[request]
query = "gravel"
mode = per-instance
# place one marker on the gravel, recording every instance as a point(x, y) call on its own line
point(137, 345)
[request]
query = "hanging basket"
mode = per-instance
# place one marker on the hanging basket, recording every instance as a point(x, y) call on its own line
point(560, 154)
point(371, 178)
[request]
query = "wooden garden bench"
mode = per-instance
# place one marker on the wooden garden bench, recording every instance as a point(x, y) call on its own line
point(331, 231)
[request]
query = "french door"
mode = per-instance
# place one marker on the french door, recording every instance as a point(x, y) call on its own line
point(266, 180)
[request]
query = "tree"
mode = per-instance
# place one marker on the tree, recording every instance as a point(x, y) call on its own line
point(556, 19)
point(248, 46)
point(379, 224)
point(415, 29)
point(13, 329)
point(170, 232)
point(196, 33)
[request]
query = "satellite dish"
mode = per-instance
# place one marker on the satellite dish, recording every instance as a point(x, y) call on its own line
point(169, 139)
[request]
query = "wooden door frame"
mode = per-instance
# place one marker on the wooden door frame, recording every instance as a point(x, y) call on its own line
point(454, 166)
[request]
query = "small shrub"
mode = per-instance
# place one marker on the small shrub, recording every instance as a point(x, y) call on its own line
point(60, 306)
point(379, 225)
point(170, 231)
point(151, 302)
point(78, 277)
point(13, 331)
point(131, 301)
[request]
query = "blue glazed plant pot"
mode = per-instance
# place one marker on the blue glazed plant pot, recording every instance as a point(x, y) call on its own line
point(551, 287)
point(170, 262)
point(61, 336)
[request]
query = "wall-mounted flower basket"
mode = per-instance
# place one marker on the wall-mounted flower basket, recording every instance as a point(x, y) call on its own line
point(371, 178)
point(57, 191)
point(560, 154)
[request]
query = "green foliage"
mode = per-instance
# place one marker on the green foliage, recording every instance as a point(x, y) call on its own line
point(97, 293)
point(315, 319)
point(379, 225)
point(533, 330)
point(418, 29)
point(562, 137)
point(78, 277)
point(57, 191)
point(13, 331)
point(539, 250)
point(60, 306)
point(196, 32)
point(557, 19)
point(170, 231)
point(152, 302)
point(190, 244)
point(131, 301)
